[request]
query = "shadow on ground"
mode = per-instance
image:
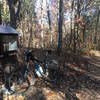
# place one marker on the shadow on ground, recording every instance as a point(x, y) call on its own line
point(80, 78)
point(36, 95)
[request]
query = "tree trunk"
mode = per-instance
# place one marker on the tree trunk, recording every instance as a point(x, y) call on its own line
point(76, 28)
point(49, 20)
point(96, 28)
point(71, 24)
point(30, 38)
point(42, 32)
point(84, 29)
point(74, 39)
point(14, 15)
point(59, 49)
point(0, 15)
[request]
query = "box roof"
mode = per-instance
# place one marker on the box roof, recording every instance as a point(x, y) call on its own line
point(7, 30)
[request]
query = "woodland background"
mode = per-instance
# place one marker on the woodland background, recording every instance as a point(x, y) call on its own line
point(69, 25)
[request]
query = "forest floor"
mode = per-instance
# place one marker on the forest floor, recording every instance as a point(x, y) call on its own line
point(79, 80)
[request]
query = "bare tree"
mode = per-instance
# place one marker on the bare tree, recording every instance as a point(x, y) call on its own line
point(0, 15)
point(14, 8)
point(59, 49)
point(71, 24)
point(97, 24)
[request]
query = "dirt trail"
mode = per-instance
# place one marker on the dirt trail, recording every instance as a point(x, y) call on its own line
point(79, 79)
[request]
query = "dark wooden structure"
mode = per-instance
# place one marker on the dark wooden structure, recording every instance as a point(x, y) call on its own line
point(8, 39)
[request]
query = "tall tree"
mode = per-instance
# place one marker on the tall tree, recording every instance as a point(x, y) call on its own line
point(0, 14)
point(42, 32)
point(97, 24)
point(60, 24)
point(32, 20)
point(14, 8)
point(71, 24)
